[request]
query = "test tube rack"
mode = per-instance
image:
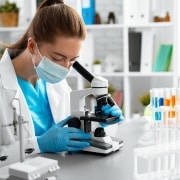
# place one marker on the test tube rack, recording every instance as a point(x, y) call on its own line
point(161, 159)
point(162, 162)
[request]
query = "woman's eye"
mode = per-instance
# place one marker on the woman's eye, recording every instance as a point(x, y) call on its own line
point(57, 59)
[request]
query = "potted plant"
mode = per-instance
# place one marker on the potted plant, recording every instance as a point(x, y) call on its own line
point(97, 66)
point(145, 99)
point(9, 14)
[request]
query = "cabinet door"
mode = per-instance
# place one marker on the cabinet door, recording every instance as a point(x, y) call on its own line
point(27, 11)
point(160, 33)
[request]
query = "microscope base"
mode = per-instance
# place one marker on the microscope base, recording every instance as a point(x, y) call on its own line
point(100, 146)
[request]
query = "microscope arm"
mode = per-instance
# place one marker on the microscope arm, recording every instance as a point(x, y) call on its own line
point(99, 84)
point(99, 89)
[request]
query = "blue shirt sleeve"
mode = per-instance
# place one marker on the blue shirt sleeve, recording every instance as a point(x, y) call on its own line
point(37, 100)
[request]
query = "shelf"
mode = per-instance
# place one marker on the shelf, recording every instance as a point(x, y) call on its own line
point(118, 26)
point(104, 26)
point(112, 74)
point(12, 29)
point(103, 74)
point(150, 74)
point(150, 25)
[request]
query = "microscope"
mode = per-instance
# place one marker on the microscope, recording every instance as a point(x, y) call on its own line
point(86, 110)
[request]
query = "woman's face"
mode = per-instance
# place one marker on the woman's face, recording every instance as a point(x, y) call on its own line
point(63, 52)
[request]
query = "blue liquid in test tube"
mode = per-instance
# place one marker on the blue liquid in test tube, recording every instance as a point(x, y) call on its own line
point(154, 104)
point(161, 103)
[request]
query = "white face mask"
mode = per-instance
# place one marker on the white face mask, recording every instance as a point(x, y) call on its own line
point(50, 71)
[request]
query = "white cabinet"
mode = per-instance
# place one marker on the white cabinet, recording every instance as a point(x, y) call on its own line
point(112, 40)
point(137, 83)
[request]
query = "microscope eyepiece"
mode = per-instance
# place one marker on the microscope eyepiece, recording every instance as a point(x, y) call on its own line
point(81, 70)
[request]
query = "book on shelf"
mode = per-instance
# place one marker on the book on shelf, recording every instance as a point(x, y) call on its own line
point(147, 51)
point(134, 51)
point(88, 11)
point(141, 51)
point(163, 58)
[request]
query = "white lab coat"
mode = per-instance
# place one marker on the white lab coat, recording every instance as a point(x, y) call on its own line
point(10, 96)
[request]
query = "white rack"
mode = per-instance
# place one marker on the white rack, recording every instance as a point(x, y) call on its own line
point(162, 162)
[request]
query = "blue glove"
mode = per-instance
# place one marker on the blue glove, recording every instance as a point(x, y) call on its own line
point(59, 138)
point(113, 111)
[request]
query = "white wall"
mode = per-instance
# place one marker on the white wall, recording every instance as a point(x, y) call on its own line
point(109, 41)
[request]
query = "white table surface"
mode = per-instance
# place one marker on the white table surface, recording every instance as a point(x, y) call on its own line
point(116, 166)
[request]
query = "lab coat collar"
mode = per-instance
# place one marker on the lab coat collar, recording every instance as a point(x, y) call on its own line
point(59, 99)
point(7, 72)
point(12, 89)
point(9, 79)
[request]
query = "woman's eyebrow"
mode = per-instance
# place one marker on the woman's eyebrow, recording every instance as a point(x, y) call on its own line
point(59, 54)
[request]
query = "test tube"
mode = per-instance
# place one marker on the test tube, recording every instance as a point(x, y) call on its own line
point(158, 102)
point(172, 125)
point(161, 105)
point(155, 105)
point(172, 104)
point(161, 97)
point(172, 117)
point(177, 107)
point(150, 167)
point(151, 103)
point(167, 105)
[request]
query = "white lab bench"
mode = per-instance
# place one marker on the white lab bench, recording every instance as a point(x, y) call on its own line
point(118, 165)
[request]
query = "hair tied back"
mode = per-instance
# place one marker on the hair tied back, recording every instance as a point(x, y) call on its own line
point(46, 3)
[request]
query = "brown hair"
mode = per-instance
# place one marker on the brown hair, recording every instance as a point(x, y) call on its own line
point(53, 18)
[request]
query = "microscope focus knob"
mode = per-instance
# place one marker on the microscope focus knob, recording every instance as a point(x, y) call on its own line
point(74, 122)
point(99, 132)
